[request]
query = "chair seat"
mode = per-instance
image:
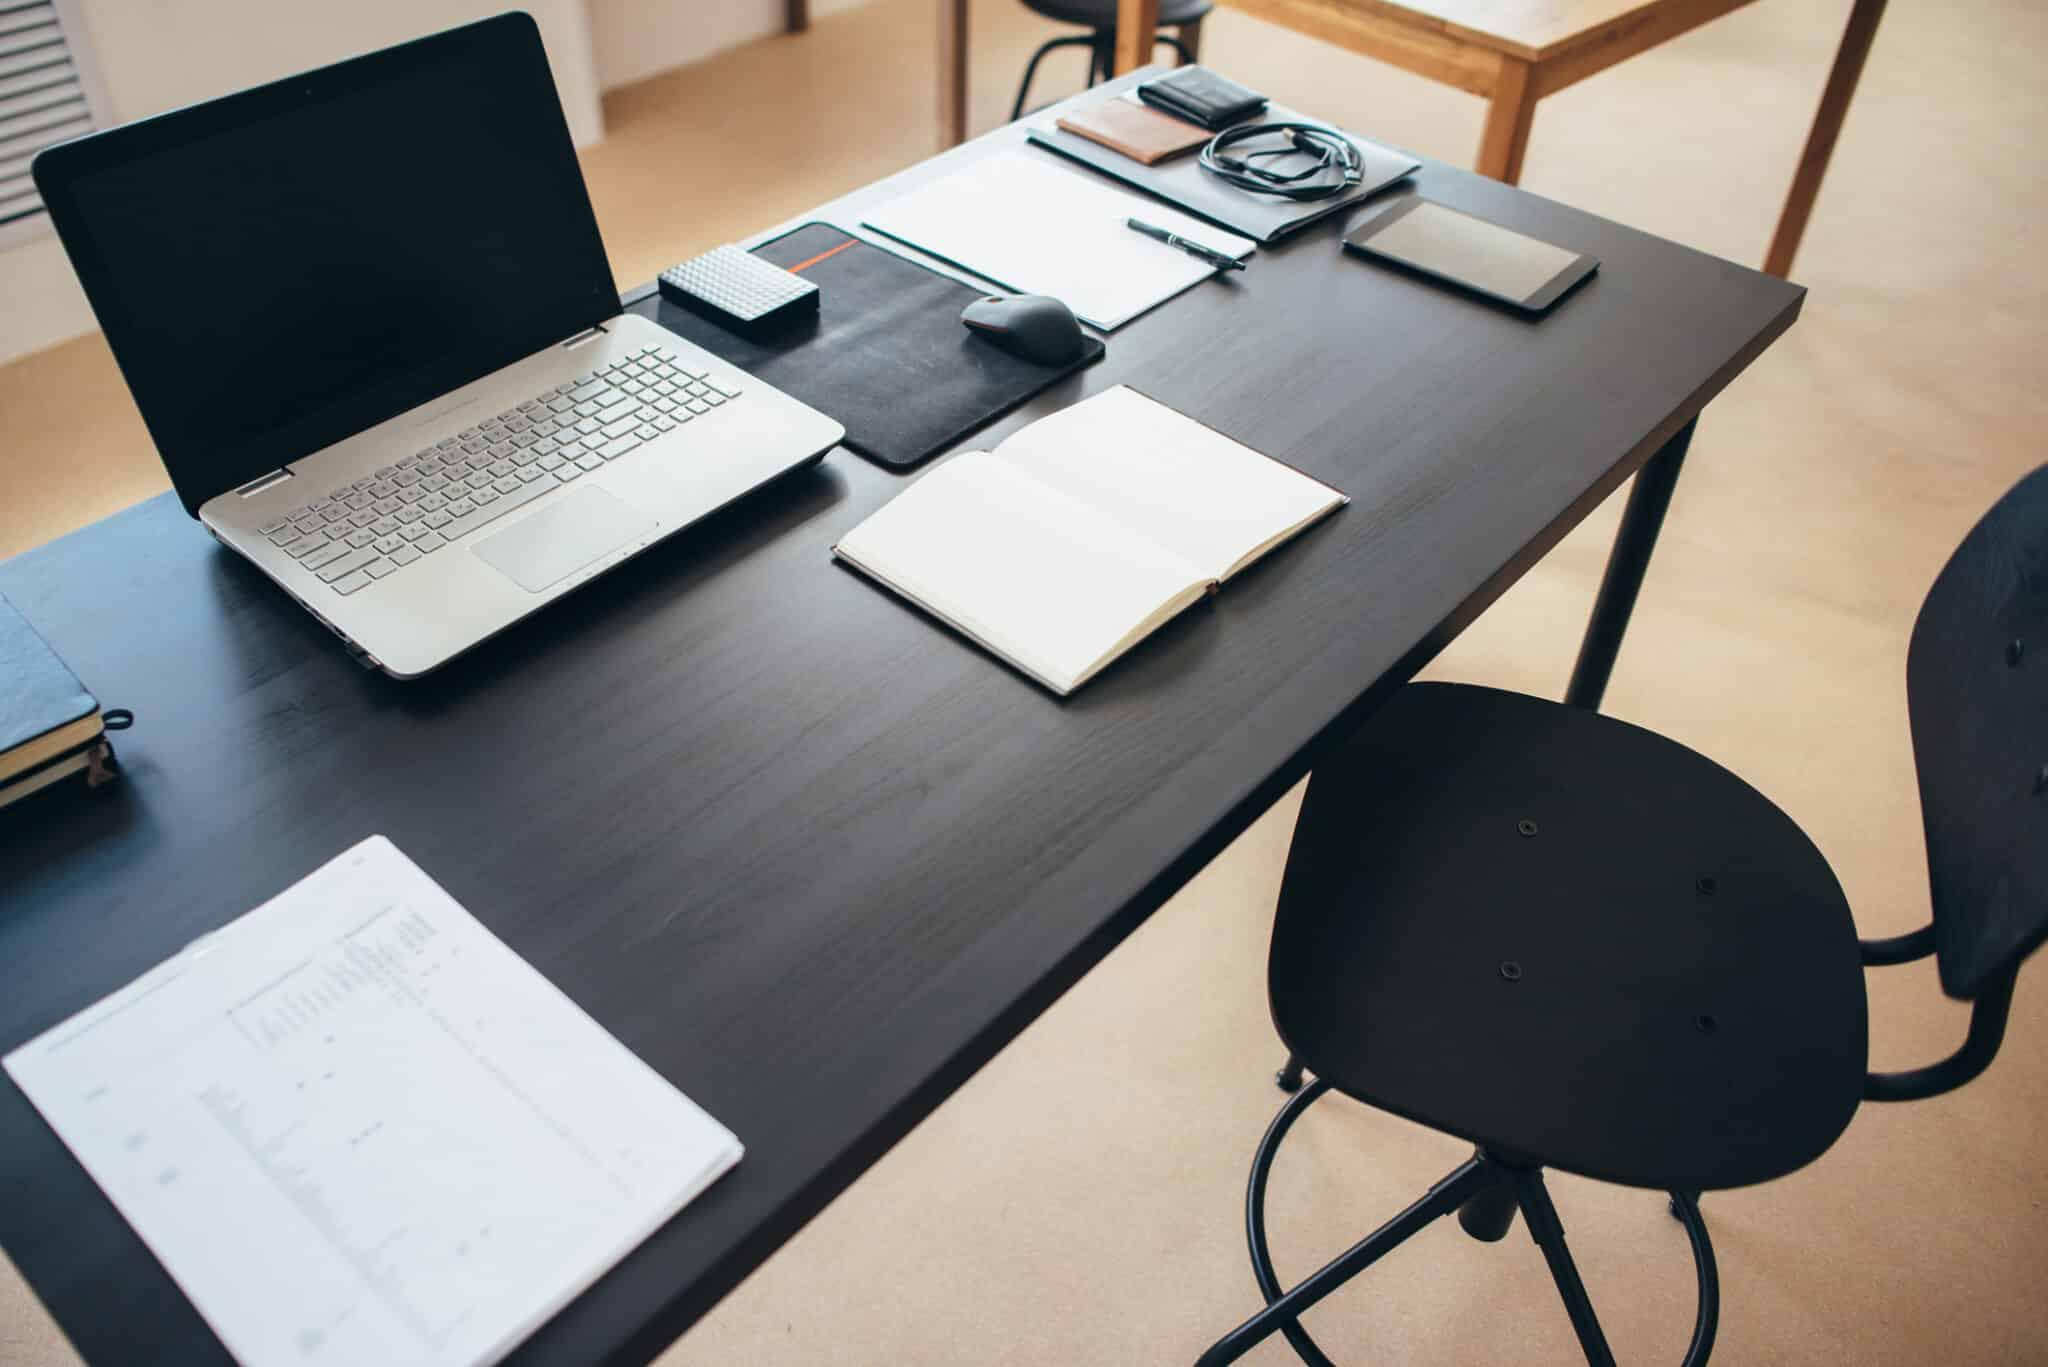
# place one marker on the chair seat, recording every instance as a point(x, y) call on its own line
point(1570, 941)
point(1102, 13)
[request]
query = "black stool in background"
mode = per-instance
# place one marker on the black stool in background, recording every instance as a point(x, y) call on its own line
point(1579, 945)
point(1099, 18)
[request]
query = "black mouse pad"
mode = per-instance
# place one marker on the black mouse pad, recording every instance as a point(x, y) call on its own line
point(887, 355)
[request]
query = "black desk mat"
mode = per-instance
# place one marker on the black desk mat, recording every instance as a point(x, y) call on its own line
point(887, 356)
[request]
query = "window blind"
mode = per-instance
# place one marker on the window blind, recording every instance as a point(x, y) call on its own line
point(42, 99)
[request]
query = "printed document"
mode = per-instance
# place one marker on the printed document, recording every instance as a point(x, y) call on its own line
point(1035, 225)
point(355, 1127)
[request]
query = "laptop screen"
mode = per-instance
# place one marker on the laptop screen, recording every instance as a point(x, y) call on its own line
point(282, 268)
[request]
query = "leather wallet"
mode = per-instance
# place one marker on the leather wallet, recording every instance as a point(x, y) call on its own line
point(1197, 93)
point(1142, 134)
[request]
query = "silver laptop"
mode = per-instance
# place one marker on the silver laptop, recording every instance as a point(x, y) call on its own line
point(368, 318)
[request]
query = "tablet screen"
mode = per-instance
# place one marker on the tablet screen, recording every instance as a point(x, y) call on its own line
point(1470, 250)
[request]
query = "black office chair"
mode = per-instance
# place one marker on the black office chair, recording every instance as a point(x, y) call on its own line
point(1580, 945)
point(1099, 18)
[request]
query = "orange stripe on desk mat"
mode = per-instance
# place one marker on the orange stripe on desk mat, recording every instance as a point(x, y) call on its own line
point(806, 265)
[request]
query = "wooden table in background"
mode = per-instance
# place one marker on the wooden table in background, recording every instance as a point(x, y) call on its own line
point(1513, 52)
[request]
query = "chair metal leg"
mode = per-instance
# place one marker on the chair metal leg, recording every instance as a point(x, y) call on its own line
point(1485, 1193)
point(1289, 1076)
point(1103, 65)
point(1708, 1317)
point(1297, 1336)
point(1283, 1311)
point(1031, 67)
point(1548, 1232)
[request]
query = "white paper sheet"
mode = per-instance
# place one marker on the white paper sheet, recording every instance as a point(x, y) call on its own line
point(1034, 225)
point(1046, 581)
point(1180, 486)
point(355, 1127)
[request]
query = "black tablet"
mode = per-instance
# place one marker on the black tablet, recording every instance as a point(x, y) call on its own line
point(1452, 246)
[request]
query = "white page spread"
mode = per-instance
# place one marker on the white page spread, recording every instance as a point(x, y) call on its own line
point(1182, 486)
point(355, 1127)
point(1031, 224)
point(1047, 582)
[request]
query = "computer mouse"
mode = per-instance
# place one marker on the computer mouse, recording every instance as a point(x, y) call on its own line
point(1034, 327)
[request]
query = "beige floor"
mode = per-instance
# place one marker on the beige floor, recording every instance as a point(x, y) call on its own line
point(1079, 1200)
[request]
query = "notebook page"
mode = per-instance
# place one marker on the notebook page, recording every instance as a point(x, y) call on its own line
point(1049, 584)
point(1213, 502)
point(355, 1127)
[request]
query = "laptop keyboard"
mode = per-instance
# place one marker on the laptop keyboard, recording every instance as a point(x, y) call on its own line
point(406, 511)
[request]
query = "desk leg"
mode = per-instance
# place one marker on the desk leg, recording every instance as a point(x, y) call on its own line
point(1137, 23)
point(1820, 142)
point(1506, 135)
point(952, 73)
point(1626, 563)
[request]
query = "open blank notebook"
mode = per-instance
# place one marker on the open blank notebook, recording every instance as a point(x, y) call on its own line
point(355, 1127)
point(1084, 533)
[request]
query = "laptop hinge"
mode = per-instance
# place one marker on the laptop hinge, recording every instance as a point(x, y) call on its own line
point(587, 335)
point(262, 482)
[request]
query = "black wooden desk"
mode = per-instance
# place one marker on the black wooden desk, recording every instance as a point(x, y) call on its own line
point(811, 857)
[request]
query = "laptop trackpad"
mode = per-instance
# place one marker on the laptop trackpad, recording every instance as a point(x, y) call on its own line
point(555, 543)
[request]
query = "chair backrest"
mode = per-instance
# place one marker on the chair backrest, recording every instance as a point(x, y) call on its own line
point(1977, 692)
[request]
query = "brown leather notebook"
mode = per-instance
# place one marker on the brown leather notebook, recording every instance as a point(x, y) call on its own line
point(1142, 134)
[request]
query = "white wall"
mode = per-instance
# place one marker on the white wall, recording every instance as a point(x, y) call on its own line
point(631, 40)
point(154, 55)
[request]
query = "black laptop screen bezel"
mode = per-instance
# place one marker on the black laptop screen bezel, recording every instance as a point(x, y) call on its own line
point(508, 45)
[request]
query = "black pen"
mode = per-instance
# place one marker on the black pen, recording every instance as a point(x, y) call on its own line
point(1194, 249)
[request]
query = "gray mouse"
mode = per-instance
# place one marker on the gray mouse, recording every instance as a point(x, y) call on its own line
point(1035, 327)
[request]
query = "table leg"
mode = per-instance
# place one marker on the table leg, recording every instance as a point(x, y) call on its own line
point(1820, 142)
point(1626, 563)
point(952, 73)
point(796, 15)
point(1136, 23)
point(1506, 135)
